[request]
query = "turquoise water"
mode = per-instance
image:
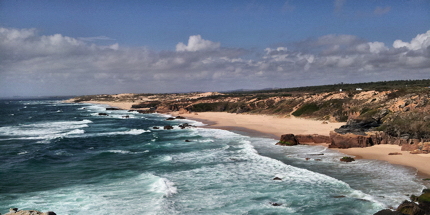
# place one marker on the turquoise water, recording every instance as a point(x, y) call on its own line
point(68, 159)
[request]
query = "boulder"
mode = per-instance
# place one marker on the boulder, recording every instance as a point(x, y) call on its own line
point(103, 114)
point(410, 208)
point(394, 153)
point(288, 140)
point(424, 201)
point(155, 127)
point(15, 211)
point(388, 212)
point(180, 117)
point(426, 148)
point(312, 138)
point(347, 159)
point(168, 127)
point(170, 118)
point(110, 108)
point(277, 178)
point(185, 125)
point(344, 141)
point(275, 204)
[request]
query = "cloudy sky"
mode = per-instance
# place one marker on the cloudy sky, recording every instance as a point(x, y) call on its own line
point(93, 47)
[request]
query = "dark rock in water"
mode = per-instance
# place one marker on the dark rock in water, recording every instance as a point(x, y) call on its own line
point(170, 118)
point(275, 204)
point(113, 109)
point(185, 125)
point(337, 197)
point(126, 117)
point(347, 159)
point(130, 110)
point(424, 200)
point(103, 114)
point(387, 212)
point(155, 127)
point(180, 117)
point(277, 178)
point(316, 154)
point(168, 127)
point(307, 159)
point(15, 211)
point(288, 140)
point(187, 141)
point(410, 208)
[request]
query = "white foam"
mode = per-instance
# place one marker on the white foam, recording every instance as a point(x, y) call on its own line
point(45, 131)
point(23, 153)
point(126, 152)
point(164, 186)
point(142, 194)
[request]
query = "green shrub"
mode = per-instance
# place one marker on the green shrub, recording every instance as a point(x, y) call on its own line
point(306, 109)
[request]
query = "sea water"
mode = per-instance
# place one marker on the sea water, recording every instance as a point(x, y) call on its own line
point(68, 159)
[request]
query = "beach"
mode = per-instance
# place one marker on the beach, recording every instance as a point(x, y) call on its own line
point(275, 126)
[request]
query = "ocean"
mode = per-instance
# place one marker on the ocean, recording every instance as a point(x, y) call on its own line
point(69, 159)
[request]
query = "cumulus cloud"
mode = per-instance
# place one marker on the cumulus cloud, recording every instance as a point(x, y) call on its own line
point(196, 43)
point(33, 64)
point(421, 41)
point(381, 10)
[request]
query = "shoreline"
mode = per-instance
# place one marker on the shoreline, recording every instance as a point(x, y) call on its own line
point(274, 127)
point(378, 152)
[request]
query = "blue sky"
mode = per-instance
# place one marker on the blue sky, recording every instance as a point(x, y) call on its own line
point(235, 30)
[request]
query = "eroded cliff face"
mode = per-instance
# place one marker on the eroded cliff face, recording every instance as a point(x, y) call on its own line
point(401, 114)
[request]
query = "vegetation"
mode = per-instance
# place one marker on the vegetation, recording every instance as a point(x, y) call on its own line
point(286, 143)
point(306, 109)
point(347, 159)
point(399, 108)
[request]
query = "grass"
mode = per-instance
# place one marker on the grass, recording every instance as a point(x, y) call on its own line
point(286, 143)
point(306, 109)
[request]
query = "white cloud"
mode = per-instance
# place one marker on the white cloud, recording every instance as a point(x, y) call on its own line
point(33, 64)
point(376, 47)
point(196, 43)
point(421, 41)
point(92, 39)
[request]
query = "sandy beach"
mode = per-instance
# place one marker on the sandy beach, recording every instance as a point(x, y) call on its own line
point(274, 127)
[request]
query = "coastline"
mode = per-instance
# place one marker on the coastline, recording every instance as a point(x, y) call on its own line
point(274, 127)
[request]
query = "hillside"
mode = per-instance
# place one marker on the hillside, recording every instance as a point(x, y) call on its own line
point(398, 108)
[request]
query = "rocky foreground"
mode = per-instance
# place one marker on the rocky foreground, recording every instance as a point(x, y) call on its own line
point(15, 211)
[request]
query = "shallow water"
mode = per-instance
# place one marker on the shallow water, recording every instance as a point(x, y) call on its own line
point(68, 159)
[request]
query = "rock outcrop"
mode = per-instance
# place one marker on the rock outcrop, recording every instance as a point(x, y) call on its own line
point(344, 141)
point(15, 211)
point(288, 140)
point(312, 138)
point(411, 207)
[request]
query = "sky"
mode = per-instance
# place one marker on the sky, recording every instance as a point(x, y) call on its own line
point(106, 47)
